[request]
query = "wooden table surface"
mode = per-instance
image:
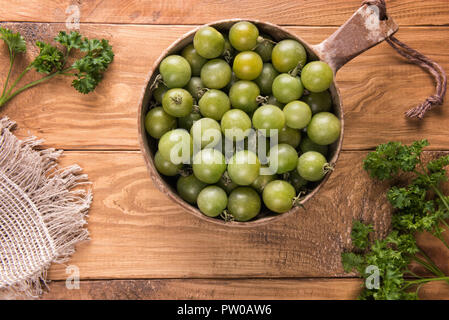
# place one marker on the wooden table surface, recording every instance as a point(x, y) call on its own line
point(142, 244)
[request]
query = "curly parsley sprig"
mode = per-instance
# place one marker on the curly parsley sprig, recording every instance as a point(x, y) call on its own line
point(51, 61)
point(420, 206)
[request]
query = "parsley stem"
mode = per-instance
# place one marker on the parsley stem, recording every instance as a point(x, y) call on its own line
point(11, 62)
point(21, 75)
point(425, 280)
point(29, 85)
point(429, 266)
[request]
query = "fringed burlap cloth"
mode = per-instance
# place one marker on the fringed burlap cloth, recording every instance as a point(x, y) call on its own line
point(41, 217)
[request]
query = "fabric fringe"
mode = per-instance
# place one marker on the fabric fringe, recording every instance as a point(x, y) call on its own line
point(57, 195)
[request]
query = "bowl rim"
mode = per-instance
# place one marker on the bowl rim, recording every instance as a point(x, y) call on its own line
point(163, 186)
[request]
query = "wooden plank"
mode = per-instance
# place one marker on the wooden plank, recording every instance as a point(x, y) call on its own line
point(302, 12)
point(137, 232)
point(259, 289)
point(377, 88)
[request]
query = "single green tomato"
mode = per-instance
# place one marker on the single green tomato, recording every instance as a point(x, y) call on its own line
point(247, 65)
point(209, 165)
point(268, 118)
point(243, 36)
point(266, 78)
point(177, 102)
point(212, 200)
point(195, 87)
point(288, 54)
point(279, 196)
point(194, 59)
point(243, 95)
point(175, 71)
point(188, 121)
point(317, 76)
point(311, 166)
point(287, 88)
point(158, 122)
point(289, 136)
point(189, 188)
point(176, 146)
point(216, 74)
point(283, 158)
point(166, 167)
point(297, 114)
point(324, 128)
point(243, 168)
point(319, 101)
point(208, 42)
point(214, 104)
point(244, 204)
point(206, 133)
point(235, 125)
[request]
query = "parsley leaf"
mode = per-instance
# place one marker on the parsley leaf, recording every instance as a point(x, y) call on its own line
point(14, 41)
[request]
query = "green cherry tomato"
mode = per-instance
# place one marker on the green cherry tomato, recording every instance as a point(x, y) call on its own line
point(235, 125)
point(272, 100)
point(298, 182)
point(287, 55)
point(189, 188)
point(177, 102)
point(228, 51)
point(289, 136)
point(247, 65)
point(209, 165)
point(308, 145)
point(297, 114)
point(269, 118)
point(311, 166)
point(159, 92)
point(195, 87)
point(212, 200)
point(194, 59)
point(244, 204)
point(324, 128)
point(265, 48)
point(243, 95)
point(208, 42)
point(226, 183)
point(317, 76)
point(188, 121)
point(216, 74)
point(243, 36)
point(176, 146)
point(283, 158)
point(158, 122)
point(266, 78)
point(234, 79)
point(243, 168)
point(278, 196)
point(287, 88)
point(214, 104)
point(206, 133)
point(319, 102)
point(164, 166)
point(175, 71)
point(262, 180)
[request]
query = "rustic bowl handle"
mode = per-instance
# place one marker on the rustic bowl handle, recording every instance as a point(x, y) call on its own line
point(365, 29)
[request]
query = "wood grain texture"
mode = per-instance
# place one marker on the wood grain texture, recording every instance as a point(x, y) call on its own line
point(221, 289)
point(377, 88)
point(138, 232)
point(285, 12)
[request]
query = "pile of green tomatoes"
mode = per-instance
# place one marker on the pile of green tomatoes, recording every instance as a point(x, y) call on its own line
point(242, 122)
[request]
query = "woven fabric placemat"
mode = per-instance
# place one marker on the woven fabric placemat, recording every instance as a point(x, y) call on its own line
point(43, 212)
